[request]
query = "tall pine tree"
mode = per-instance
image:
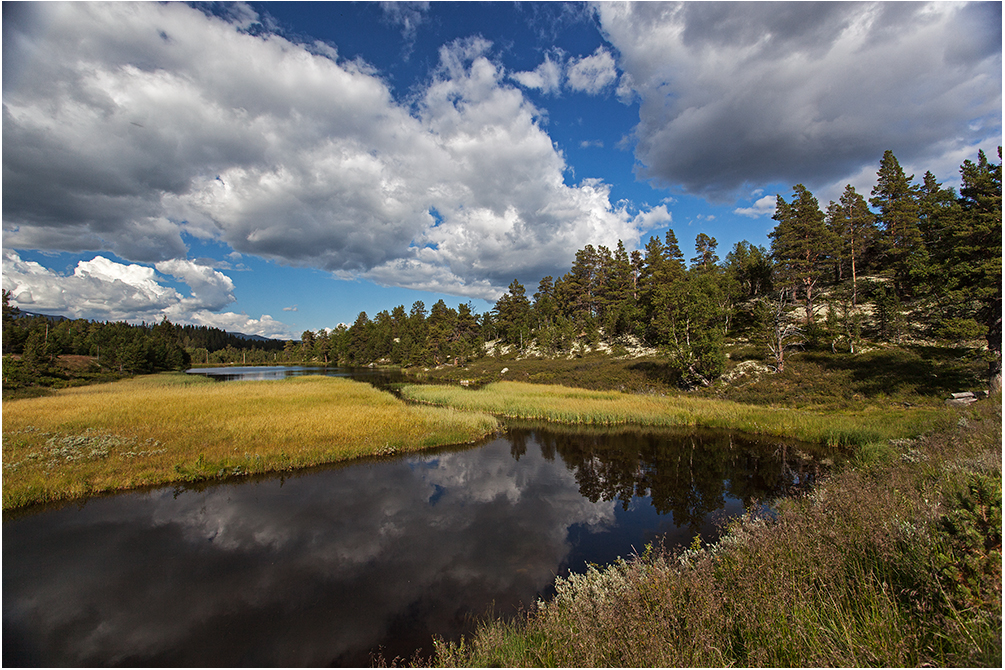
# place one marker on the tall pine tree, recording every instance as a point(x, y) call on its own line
point(854, 229)
point(513, 315)
point(970, 258)
point(800, 244)
point(617, 292)
point(895, 198)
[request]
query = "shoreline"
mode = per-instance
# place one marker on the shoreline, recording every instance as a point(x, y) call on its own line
point(891, 563)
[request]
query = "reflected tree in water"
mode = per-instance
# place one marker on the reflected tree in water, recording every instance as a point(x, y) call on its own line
point(688, 476)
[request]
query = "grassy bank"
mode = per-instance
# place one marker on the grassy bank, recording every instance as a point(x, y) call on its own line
point(174, 427)
point(894, 564)
point(884, 376)
point(571, 405)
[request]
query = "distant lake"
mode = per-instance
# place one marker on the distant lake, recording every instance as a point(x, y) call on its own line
point(326, 566)
point(379, 377)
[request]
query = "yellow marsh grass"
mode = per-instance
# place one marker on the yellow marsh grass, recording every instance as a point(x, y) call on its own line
point(572, 405)
point(168, 428)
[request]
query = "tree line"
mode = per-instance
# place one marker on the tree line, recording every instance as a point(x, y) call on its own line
point(911, 242)
point(917, 242)
point(119, 346)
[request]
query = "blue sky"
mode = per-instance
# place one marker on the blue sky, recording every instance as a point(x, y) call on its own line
point(271, 168)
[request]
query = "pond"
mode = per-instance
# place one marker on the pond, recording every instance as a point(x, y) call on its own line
point(331, 565)
point(379, 377)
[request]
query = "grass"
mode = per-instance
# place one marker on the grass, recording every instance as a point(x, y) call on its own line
point(892, 564)
point(571, 405)
point(885, 376)
point(173, 427)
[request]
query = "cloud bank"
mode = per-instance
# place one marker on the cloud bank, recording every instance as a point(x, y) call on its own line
point(128, 126)
point(738, 94)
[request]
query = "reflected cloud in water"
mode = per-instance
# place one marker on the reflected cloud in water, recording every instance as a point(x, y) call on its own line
point(326, 566)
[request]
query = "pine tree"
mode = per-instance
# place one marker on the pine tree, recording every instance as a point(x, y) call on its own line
point(896, 199)
point(512, 315)
point(38, 354)
point(935, 206)
point(359, 339)
point(649, 276)
point(704, 248)
point(439, 330)
point(466, 339)
point(382, 329)
point(663, 266)
point(673, 256)
point(751, 268)
point(545, 304)
point(854, 229)
point(417, 331)
point(617, 293)
point(969, 259)
point(637, 263)
point(801, 243)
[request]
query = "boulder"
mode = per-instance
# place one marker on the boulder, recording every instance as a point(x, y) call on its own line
point(961, 399)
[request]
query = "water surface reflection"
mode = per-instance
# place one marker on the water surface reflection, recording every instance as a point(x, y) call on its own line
point(326, 566)
point(379, 377)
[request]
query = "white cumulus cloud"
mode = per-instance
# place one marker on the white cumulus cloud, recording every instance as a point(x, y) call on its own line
point(657, 217)
point(592, 74)
point(762, 207)
point(546, 77)
point(128, 126)
point(104, 290)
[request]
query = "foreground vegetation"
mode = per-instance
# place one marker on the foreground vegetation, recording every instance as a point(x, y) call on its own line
point(173, 427)
point(894, 563)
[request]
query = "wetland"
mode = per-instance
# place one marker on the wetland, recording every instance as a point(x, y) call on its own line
point(481, 553)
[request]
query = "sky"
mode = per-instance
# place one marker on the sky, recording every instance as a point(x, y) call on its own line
point(271, 168)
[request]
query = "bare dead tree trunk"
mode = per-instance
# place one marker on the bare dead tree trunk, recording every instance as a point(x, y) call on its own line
point(782, 334)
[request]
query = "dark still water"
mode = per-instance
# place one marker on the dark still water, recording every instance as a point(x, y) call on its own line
point(379, 377)
point(326, 566)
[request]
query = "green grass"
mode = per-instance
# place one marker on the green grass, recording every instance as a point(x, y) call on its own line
point(571, 405)
point(174, 427)
point(893, 564)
